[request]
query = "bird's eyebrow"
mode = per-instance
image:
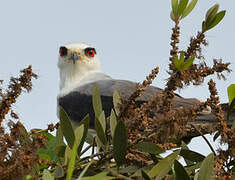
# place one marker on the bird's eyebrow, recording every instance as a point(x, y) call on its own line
point(89, 48)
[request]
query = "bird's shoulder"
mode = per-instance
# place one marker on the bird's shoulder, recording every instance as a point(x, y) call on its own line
point(124, 87)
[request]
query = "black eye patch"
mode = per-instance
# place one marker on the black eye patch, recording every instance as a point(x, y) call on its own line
point(63, 51)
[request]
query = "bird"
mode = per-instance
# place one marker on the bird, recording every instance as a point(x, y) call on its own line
point(80, 69)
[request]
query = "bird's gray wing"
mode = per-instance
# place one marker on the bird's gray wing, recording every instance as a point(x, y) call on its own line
point(78, 103)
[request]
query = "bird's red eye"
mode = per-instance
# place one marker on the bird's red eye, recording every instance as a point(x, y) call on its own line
point(63, 51)
point(90, 52)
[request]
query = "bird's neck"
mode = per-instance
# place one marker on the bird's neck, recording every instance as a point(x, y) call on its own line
point(74, 76)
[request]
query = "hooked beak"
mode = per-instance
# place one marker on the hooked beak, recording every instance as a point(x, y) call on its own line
point(75, 57)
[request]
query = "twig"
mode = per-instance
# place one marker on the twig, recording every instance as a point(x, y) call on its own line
point(118, 175)
point(142, 138)
point(93, 147)
point(51, 127)
point(210, 146)
point(86, 149)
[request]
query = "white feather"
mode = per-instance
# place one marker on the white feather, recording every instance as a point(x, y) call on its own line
point(73, 75)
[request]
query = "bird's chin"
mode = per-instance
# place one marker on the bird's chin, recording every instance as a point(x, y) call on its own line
point(65, 64)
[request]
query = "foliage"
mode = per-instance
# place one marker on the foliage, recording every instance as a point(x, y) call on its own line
point(181, 64)
point(231, 108)
point(231, 93)
point(122, 148)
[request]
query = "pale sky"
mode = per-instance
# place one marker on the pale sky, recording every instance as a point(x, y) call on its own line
point(131, 38)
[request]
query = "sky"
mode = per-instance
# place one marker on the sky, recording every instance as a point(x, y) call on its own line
point(131, 38)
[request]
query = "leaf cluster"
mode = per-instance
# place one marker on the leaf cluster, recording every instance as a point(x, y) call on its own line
point(181, 64)
point(112, 144)
point(181, 9)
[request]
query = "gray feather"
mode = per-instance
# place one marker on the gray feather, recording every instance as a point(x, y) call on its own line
point(78, 103)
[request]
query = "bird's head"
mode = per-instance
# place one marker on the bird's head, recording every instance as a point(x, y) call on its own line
point(77, 64)
point(79, 57)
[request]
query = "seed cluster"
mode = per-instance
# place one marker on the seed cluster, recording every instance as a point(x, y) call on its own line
point(159, 122)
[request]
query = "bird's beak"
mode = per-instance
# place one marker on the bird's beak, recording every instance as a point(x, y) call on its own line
point(75, 56)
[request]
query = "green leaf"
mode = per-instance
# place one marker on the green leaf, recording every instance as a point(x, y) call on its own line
point(59, 150)
point(216, 20)
point(120, 143)
point(154, 158)
point(116, 102)
point(149, 147)
point(44, 156)
point(113, 122)
point(59, 136)
point(171, 177)
point(230, 110)
point(192, 168)
point(176, 62)
point(182, 6)
point(96, 101)
point(78, 137)
point(85, 170)
point(172, 16)
point(180, 171)
point(181, 60)
point(102, 121)
point(184, 146)
point(90, 136)
point(233, 125)
point(102, 175)
point(46, 175)
point(98, 143)
point(86, 123)
point(196, 176)
point(28, 177)
point(59, 172)
point(231, 92)
point(189, 8)
point(204, 27)
point(144, 175)
point(47, 152)
point(67, 155)
point(191, 155)
point(66, 127)
point(100, 132)
point(205, 172)
point(129, 169)
point(174, 5)
point(188, 63)
point(164, 166)
point(211, 13)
